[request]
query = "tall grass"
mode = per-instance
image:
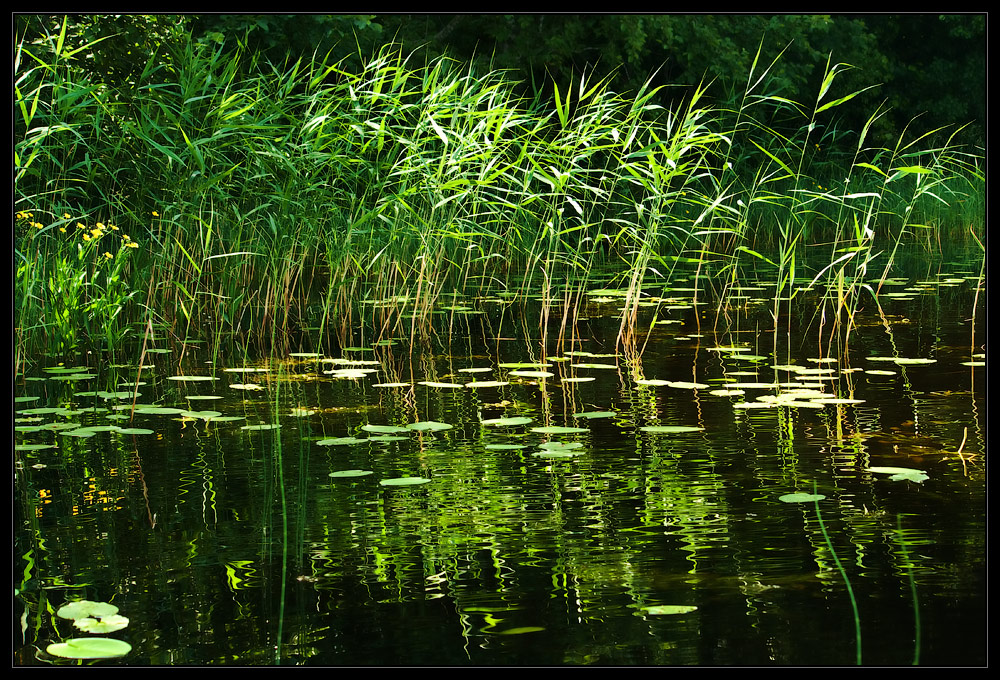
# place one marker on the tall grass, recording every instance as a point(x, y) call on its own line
point(254, 190)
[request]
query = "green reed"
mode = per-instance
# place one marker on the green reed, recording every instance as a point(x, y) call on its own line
point(255, 189)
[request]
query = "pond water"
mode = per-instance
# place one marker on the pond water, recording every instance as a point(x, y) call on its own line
point(647, 527)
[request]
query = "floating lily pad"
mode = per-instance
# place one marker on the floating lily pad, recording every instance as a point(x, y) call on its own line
point(392, 384)
point(107, 624)
point(33, 447)
point(556, 454)
point(192, 378)
point(428, 426)
point(532, 374)
point(595, 414)
point(560, 446)
point(557, 429)
point(670, 429)
point(486, 383)
point(899, 474)
point(444, 385)
point(580, 379)
point(159, 410)
point(340, 441)
point(251, 387)
point(201, 415)
point(84, 608)
point(801, 497)
point(687, 385)
point(609, 366)
point(135, 430)
point(383, 429)
point(404, 481)
point(506, 447)
point(652, 382)
point(351, 473)
point(516, 420)
point(89, 648)
point(669, 609)
point(264, 426)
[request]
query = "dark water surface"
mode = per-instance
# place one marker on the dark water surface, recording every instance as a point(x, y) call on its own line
point(225, 545)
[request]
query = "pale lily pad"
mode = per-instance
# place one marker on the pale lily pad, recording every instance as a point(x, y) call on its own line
point(107, 624)
point(404, 481)
point(556, 429)
point(339, 441)
point(250, 387)
point(135, 430)
point(532, 374)
point(669, 609)
point(475, 370)
point(89, 648)
point(486, 383)
point(506, 447)
point(670, 429)
point(595, 414)
point(428, 426)
point(687, 385)
point(609, 366)
point(352, 473)
point(384, 429)
point(560, 446)
point(556, 454)
point(443, 385)
point(516, 420)
point(801, 497)
point(579, 379)
point(201, 415)
point(192, 378)
point(652, 382)
point(159, 410)
point(263, 426)
point(33, 447)
point(899, 474)
point(84, 608)
point(392, 384)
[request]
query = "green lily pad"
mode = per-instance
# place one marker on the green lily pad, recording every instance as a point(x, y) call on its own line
point(404, 481)
point(428, 426)
point(505, 447)
point(262, 426)
point(560, 446)
point(669, 609)
point(670, 429)
point(446, 385)
point(339, 441)
point(201, 415)
point(556, 429)
point(595, 414)
point(384, 429)
point(135, 430)
point(89, 648)
point(107, 624)
point(899, 474)
point(352, 473)
point(801, 497)
point(610, 366)
point(84, 608)
point(515, 420)
point(532, 374)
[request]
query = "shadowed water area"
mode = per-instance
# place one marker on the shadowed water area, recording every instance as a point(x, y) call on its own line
point(487, 495)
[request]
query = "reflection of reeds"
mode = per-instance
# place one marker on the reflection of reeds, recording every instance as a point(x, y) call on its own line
point(274, 187)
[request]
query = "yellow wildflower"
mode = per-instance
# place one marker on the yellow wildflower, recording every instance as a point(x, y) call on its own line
point(131, 244)
point(108, 256)
point(81, 225)
point(62, 229)
point(86, 237)
point(156, 214)
point(66, 216)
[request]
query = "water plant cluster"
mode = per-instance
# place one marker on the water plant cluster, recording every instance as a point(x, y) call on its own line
point(232, 195)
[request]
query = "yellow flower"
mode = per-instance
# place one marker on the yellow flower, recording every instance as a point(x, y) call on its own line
point(112, 227)
point(96, 233)
point(81, 225)
point(100, 226)
point(66, 216)
point(132, 244)
point(86, 237)
point(108, 256)
point(156, 214)
point(62, 229)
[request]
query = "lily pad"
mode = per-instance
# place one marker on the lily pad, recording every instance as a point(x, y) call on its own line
point(263, 426)
point(352, 473)
point(670, 429)
point(560, 446)
point(532, 374)
point(107, 624)
point(516, 420)
point(556, 429)
point(595, 414)
point(899, 474)
point(89, 648)
point(339, 441)
point(384, 429)
point(404, 481)
point(669, 609)
point(801, 497)
point(192, 378)
point(428, 426)
point(444, 385)
point(84, 608)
